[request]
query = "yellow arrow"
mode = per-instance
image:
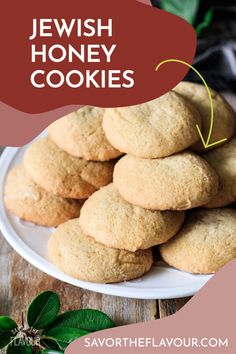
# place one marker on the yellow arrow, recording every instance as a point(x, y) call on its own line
point(206, 143)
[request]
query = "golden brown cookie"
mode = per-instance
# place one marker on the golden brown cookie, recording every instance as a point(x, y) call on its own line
point(153, 129)
point(84, 134)
point(62, 174)
point(80, 256)
point(223, 160)
point(206, 242)
point(224, 116)
point(177, 182)
point(32, 203)
point(109, 219)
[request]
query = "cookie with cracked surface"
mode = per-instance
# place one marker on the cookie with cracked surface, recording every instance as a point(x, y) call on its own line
point(30, 202)
point(62, 174)
point(177, 182)
point(153, 129)
point(85, 137)
point(223, 160)
point(109, 219)
point(206, 242)
point(81, 257)
point(224, 116)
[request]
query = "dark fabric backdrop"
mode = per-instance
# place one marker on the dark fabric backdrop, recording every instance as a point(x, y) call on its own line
point(216, 50)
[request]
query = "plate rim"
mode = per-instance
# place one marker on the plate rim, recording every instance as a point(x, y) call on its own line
point(40, 263)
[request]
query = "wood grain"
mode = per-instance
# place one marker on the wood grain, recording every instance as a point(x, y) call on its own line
point(169, 307)
point(20, 282)
point(5, 295)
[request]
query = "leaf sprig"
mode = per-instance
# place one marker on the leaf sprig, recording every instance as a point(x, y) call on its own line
point(46, 331)
point(188, 10)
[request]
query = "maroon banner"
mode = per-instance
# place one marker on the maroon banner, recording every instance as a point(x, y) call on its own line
point(58, 53)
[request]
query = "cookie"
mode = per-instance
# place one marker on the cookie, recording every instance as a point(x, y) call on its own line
point(32, 203)
point(224, 116)
point(85, 136)
point(62, 174)
point(109, 219)
point(177, 182)
point(206, 242)
point(80, 256)
point(153, 129)
point(223, 160)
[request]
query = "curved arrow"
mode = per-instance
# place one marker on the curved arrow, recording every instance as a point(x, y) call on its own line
point(206, 143)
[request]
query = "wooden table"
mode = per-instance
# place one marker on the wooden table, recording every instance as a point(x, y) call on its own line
point(20, 282)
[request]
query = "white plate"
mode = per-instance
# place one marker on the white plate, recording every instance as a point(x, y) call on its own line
point(30, 241)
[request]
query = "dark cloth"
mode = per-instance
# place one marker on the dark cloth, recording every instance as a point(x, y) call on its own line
point(216, 50)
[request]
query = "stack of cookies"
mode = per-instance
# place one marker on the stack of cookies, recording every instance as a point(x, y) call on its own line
point(57, 174)
point(166, 191)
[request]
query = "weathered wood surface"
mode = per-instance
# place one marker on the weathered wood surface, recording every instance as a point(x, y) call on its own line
point(20, 282)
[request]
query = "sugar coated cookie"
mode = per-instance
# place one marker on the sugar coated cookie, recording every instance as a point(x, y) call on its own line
point(84, 134)
point(206, 242)
point(223, 160)
point(224, 116)
point(32, 203)
point(177, 182)
point(62, 174)
point(153, 129)
point(109, 219)
point(83, 258)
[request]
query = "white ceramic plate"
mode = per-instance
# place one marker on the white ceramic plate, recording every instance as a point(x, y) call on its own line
point(30, 241)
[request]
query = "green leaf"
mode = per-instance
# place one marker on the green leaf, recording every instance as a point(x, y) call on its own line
point(7, 330)
point(19, 346)
point(7, 324)
point(207, 19)
point(43, 310)
point(187, 9)
point(87, 319)
point(51, 351)
point(65, 335)
point(49, 344)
